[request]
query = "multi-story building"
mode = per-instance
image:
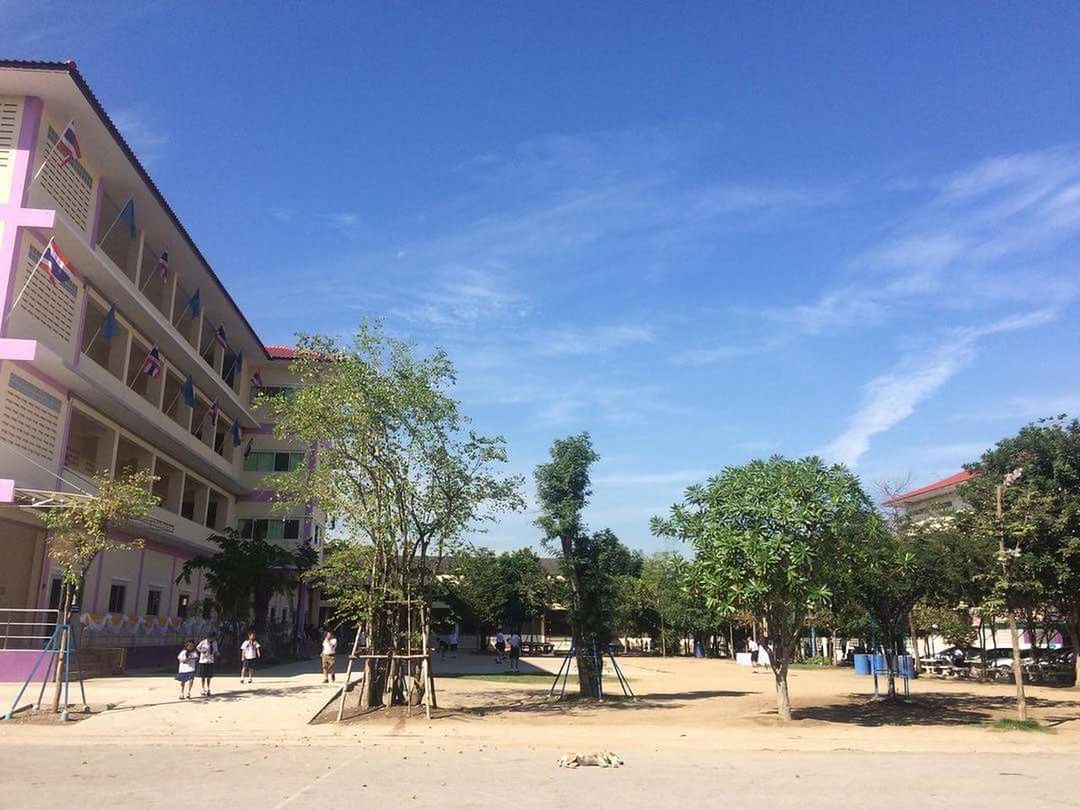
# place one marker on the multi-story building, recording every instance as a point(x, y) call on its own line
point(940, 496)
point(75, 398)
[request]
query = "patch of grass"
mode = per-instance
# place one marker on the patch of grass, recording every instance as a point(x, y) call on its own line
point(1009, 724)
point(502, 677)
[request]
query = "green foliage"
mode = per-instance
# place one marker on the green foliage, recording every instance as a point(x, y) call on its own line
point(79, 531)
point(607, 569)
point(669, 602)
point(245, 574)
point(344, 580)
point(504, 590)
point(952, 625)
point(562, 487)
point(775, 538)
point(1041, 517)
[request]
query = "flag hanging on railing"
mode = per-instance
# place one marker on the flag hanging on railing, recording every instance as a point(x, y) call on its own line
point(68, 145)
point(234, 429)
point(219, 336)
point(154, 364)
point(109, 327)
point(256, 380)
point(127, 216)
point(56, 263)
point(162, 265)
point(249, 447)
point(213, 414)
point(195, 304)
point(187, 391)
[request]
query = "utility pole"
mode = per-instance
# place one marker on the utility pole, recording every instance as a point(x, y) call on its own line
point(1005, 555)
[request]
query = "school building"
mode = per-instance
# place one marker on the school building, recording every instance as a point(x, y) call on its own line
point(120, 349)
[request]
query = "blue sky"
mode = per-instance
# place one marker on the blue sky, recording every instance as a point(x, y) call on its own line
point(702, 233)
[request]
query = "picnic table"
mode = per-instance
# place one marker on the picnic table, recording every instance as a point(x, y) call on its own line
point(537, 648)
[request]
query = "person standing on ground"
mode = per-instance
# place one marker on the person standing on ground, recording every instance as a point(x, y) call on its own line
point(208, 652)
point(329, 656)
point(500, 646)
point(250, 652)
point(185, 673)
point(752, 645)
point(515, 652)
point(453, 643)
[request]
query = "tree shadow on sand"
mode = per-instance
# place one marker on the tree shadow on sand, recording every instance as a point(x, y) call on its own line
point(540, 703)
point(961, 709)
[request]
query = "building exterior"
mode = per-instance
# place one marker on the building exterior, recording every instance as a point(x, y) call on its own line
point(937, 497)
point(74, 396)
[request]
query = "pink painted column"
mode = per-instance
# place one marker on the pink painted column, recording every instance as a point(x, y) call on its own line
point(138, 582)
point(172, 588)
point(97, 586)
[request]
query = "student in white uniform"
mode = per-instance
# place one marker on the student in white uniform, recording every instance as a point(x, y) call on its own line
point(185, 673)
point(250, 652)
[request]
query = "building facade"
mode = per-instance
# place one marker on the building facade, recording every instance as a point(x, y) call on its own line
point(132, 294)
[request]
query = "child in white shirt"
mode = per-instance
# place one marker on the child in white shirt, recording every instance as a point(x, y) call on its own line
point(188, 658)
point(250, 652)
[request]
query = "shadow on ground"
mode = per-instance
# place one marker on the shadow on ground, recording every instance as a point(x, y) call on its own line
point(955, 709)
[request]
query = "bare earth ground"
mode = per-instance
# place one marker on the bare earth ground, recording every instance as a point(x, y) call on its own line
point(701, 731)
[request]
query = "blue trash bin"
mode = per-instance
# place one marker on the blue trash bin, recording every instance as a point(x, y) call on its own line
point(862, 664)
point(881, 663)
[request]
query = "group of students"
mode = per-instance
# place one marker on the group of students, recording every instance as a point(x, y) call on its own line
point(197, 661)
point(501, 651)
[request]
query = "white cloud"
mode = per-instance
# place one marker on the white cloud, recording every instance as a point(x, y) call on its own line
point(142, 135)
point(890, 398)
point(596, 340)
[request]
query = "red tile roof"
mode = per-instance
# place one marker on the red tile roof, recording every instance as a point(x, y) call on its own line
point(281, 352)
point(952, 480)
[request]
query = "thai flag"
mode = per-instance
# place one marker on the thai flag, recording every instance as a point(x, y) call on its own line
point(213, 414)
point(69, 146)
point(162, 265)
point(234, 429)
point(154, 364)
point(219, 336)
point(57, 265)
point(256, 380)
point(250, 446)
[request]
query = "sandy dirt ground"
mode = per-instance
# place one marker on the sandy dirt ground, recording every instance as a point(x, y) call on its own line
point(700, 731)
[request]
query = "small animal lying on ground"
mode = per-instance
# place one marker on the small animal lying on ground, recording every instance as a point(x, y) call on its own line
point(604, 759)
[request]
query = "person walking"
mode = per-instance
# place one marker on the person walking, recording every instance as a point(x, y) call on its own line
point(752, 645)
point(329, 656)
point(250, 652)
point(189, 660)
point(208, 653)
point(515, 652)
point(500, 646)
point(453, 642)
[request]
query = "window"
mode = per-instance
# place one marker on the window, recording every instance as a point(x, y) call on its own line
point(273, 461)
point(269, 528)
point(270, 391)
point(318, 534)
point(117, 597)
point(182, 605)
point(272, 612)
point(153, 602)
point(55, 591)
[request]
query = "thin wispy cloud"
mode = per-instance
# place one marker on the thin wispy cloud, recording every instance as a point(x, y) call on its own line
point(143, 134)
point(890, 398)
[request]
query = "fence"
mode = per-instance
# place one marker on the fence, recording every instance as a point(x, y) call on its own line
point(26, 628)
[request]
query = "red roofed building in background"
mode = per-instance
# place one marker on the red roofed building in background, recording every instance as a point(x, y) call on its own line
point(938, 496)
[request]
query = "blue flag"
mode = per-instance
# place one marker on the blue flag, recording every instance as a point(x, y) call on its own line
point(109, 327)
point(234, 429)
point(196, 305)
point(128, 216)
point(187, 391)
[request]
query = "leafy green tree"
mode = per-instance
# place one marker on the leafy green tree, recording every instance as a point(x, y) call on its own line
point(526, 585)
point(774, 538)
point(563, 490)
point(244, 575)
point(476, 590)
point(86, 527)
point(1037, 527)
point(399, 465)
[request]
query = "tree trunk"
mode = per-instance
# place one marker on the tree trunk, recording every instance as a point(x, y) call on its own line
point(1072, 627)
point(914, 641)
point(663, 638)
point(296, 620)
point(1018, 672)
point(586, 683)
point(61, 657)
point(783, 703)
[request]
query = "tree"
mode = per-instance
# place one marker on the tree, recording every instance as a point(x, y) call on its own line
point(86, 527)
point(774, 538)
point(1032, 519)
point(663, 593)
point(400, 467)
point(527, 590)
point(562, 487)
point(245, 574)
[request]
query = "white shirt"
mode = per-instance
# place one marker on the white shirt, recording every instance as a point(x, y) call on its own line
point(329, 646)
point(187, 660)
point(207, 651)
point(250, 649)
point(752, 645)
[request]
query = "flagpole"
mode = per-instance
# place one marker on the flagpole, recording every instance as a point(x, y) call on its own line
point(51, 149)
point(178, 395)
point(30, 277)
point(130, 200)
point(140, 371)
point(90, 345)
